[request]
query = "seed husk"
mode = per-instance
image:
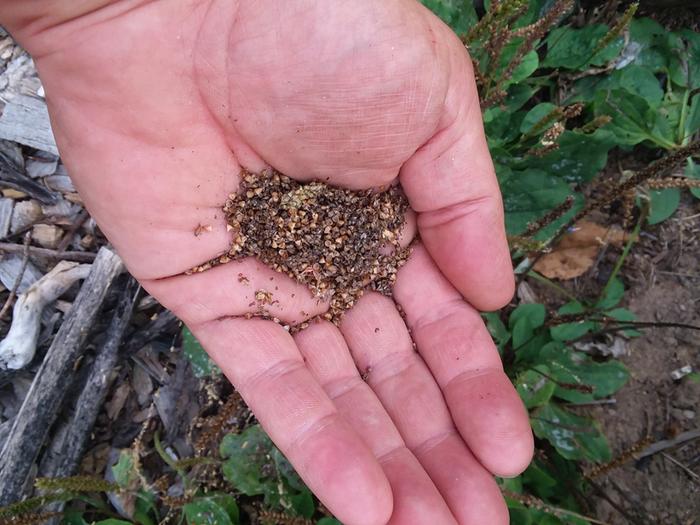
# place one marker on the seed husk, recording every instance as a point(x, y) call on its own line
point(332, 240)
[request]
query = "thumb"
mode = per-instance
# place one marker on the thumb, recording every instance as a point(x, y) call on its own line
point(450, 181)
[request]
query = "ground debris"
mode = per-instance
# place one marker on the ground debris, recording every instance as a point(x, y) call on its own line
point(337, 242)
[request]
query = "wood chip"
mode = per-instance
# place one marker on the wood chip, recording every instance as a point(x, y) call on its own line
point(47, 235)
point(25, 120)
point(25, 213)
point(6, 207)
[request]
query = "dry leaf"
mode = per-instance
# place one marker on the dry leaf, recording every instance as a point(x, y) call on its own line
point(577, 250)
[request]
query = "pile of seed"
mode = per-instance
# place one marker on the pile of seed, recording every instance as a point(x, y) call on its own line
point(330, 239)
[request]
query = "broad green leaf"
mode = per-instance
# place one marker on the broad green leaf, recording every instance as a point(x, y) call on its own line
point(205, 511)
point(113, 521)
point(536, 116)
point(458, 14)
point(613, 295)
point(573, 436)
point(684, 59)
point(530, 194)
point(578, 158)
point(535, 313)
point(692, 120)
point(664, 203)
point(255, 466)
point(228, 503)
point(245, 456)
point(328, 521)
point(576, 48)
point(537, 477)
point(124, 471)
point(202, 365)
point(650, 40)
point(303, 504)
point(523, 322)
point(569, 367)
point(632, 117)
point(527, 66)
point(518, 95)
point(624, 315)
point(73, 517)
point(574, 330)
point(496, 328)
point(535, 389)
point(642, 82)
point(145, 509)
point(692, 170)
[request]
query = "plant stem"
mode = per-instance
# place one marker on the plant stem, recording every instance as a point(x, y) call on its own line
point(541, 278)
point(625, 252)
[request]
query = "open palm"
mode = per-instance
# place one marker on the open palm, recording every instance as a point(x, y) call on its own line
point(157, 105)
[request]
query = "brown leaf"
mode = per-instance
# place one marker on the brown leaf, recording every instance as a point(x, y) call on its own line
point(115, 405)
point(577, 250)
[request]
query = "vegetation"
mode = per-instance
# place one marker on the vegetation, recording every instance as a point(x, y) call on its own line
point(559, 95)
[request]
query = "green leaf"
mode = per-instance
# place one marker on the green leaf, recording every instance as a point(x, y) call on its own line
point(530, 194)
point(246, 454)
point(205, 511)
point(624, 315)
point(496, 328)
point(642, 82)
point(649, 41)
point(578, 159)
point(692, 121)
point(536, 115)
point(113, 521)
point(145, 508)
point(575, 48)
point(255, 466)
point(328, 521)
point(202, 365)
point(303, 504)
point(575, 368)
point(573, 436)
point(569, 331)
point(73, 517)
point(613, 295)
point(458, 14)
point(534, 388)
point(124, 471)
point(527, 66)
point(534, 313)
point(692, 171)
point(664, 203)
point(524, 320)
point(228, 503)
point(684, 58)
point(632, 117)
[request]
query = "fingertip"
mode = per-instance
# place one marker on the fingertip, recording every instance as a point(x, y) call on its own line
point(494, 422)
point(519, 458)
point(347, 478)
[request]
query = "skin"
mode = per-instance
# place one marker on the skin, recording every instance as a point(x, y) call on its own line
point(157, 105)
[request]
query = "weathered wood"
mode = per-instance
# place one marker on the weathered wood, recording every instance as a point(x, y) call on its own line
point(25, 120)
point(6, 207)
point(84, 257)
point(40, 407)
point(62, 457)
point(12, 176)
point(18, 347)
point(665, 444)
point(164, 323)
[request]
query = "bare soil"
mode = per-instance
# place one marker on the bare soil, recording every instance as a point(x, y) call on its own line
point(664, 279)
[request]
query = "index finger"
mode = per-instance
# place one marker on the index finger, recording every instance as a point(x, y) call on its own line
point(261, 360)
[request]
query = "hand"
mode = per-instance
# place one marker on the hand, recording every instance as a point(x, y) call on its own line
point(156, 106)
